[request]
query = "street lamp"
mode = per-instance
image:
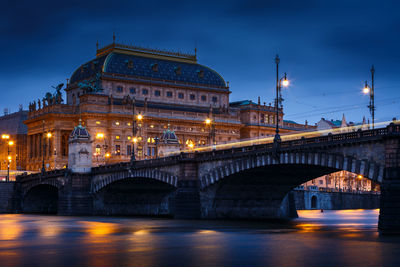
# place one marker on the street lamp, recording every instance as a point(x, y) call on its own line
point(367, 89)
point(278, 101)
point(9, 158)
point(156, 140)
point(210, 122)
point(136, 118)
point(48, 136)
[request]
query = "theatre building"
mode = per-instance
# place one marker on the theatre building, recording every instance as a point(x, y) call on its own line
point(127, 97)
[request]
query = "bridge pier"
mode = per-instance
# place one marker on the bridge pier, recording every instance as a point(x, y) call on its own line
point(187, 195)
point(74, 198)
point(389, 217)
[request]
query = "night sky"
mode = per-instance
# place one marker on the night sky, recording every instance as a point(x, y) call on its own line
point(326, 47)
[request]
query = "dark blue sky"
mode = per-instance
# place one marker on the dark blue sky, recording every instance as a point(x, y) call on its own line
point(326, 47)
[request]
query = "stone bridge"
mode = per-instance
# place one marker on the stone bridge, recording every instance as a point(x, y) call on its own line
point(244, 182)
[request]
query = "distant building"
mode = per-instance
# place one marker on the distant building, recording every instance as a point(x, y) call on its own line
point(341, 181)
point(12, 125)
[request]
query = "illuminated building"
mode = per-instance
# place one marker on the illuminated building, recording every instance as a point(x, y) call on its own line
point(128, 96)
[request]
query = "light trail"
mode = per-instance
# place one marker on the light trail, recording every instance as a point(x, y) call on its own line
point(284, 137)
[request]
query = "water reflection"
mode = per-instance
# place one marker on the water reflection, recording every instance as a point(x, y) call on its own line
point(326, 239)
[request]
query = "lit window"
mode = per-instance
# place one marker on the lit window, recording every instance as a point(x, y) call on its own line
point(128, 123)
point(129, 137)
point(117, 123)
point(97, 122)
point(117, 150)
point(98, 150)
point(152, 126)
point(117, 137)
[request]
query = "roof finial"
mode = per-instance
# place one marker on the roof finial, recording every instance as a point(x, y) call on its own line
point(113, 37)
point(97, 45)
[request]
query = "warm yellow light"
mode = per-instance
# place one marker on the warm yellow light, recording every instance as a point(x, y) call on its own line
point(140, 117)
point(5, 136)
point(135, 139)
point(190, 145)
point(208, 121)
point(117, 123)
point(9, 158)
point(285, 82)
point(48, 135)
point(99, 136)
point(366, 90)
point(11, 143)
point(129, 138)
point(107, 155)
point(359, 176)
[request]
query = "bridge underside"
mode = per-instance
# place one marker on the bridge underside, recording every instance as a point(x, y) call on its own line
point(41, 199)
point(260, 193)
point(137, 196)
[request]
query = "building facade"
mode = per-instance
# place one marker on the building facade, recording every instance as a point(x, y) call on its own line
point(13, 143)
point(128, 96)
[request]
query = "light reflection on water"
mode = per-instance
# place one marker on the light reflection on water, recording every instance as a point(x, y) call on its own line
point(330, 238)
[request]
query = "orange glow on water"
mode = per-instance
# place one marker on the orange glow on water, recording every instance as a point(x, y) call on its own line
point(99, 228)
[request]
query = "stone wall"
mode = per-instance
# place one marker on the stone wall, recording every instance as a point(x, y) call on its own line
point(334, 200)
point(7, 197)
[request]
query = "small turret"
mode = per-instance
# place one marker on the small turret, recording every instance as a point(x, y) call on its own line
point(80, 150)
point(168, 143)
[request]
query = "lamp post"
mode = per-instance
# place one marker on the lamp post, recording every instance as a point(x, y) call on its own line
point(9, 158)
point(136, 118)
point(370, 89)
point(278, 101)
point(48, 136)
point(133, 159)
point(209, 122)
point(156, 140)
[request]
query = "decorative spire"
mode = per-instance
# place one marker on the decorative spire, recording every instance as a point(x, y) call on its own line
point(113, 37)
point(97, 45)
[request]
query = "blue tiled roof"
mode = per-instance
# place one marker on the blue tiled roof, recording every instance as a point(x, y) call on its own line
point(150, 68)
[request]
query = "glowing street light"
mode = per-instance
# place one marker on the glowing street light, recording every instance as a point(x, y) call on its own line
point(5, 136)
point(140, 117)
point(370, 90)
point(208, 121)
point(278, 101)
point(107, 155)
point(99, 136)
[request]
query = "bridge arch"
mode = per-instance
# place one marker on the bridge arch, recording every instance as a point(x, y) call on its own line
point(258, 186)
point(368, 168)
point(41, 198)
point(137, 192)
point(104, 180)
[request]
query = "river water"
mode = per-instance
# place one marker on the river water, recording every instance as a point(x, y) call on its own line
point(331, 238)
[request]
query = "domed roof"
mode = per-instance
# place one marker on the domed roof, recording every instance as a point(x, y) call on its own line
point(169, 137)
point(79, 132)
point(149, 66)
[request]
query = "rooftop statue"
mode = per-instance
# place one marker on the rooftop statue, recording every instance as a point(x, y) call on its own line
point(57, 97)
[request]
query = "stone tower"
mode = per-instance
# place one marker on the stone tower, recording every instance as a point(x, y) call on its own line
point(169, 143)
point(80, 150)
